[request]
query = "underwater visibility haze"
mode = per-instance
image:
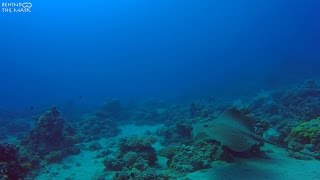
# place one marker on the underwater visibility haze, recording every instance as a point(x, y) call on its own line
point(160, 90)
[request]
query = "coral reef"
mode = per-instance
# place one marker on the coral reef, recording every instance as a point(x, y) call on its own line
point(113, 109)
point(207, 108)
point(284, 108)
point(305, 136)
point(104, 122)
point(135, 159)
point(52, 139)
point(303, 101)
point(94, 127)
point(133, 152)
point(150, 112)
point(13, 165)
point(279, 133)
point(289, 105)
point(289, 117)
point(186, 159)
point(175, 134)
point(198, 109)
point(175, 113)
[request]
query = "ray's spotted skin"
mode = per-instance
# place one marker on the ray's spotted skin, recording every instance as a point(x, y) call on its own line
point(231, 129)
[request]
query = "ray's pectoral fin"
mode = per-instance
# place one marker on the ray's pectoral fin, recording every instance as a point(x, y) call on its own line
point(231, 129)
point(201, 136)
point(199, 132)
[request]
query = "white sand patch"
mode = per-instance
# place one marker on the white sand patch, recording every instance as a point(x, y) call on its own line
point(278, 166)
point(162, 162)
point(83, 166)
point(157, 146)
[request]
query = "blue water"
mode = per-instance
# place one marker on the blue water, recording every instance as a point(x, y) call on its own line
point(78, 54)
point(159, 49)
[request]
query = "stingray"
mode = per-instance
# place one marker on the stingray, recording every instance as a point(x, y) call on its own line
point(234, 130)
point(231, 129)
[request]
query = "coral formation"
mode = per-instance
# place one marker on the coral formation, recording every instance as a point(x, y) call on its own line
point(133, 152)
point(52, 139)
point(185, 159)
point(94, 127)
point(113, 109)
point(287, 117)
point(303, 101)
point(177, 133)
point(136, 159)
point(294, 104)
point(198, 109)
point(175, 113)
point(13, 165)
point(305, 136)
point(104, 122)
point(285, 107)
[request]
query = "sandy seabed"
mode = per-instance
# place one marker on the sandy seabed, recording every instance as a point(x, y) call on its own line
point(277, 165)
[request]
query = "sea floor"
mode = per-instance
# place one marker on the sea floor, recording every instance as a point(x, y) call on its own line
point(277, 165)
point(86, 166)
point(81, 166)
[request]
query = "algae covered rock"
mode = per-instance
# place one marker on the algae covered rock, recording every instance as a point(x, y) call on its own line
point(305, 136)
point(140, 145)
point(186, 159)
point(134, 152)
